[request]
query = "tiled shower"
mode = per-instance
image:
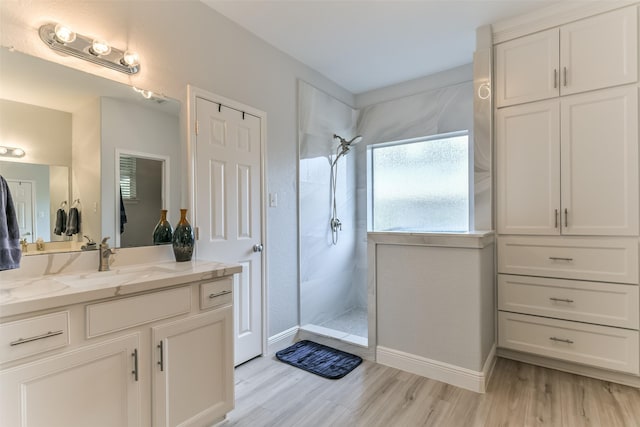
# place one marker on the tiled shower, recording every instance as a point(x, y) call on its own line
point(333, 294)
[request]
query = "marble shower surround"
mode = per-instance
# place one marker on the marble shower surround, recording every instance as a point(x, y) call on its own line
point(326, 286)
point(437, 111)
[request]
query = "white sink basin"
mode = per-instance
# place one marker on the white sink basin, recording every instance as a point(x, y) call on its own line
point(111, 278)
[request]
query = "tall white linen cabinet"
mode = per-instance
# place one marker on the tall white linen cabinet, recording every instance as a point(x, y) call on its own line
point(566, 126)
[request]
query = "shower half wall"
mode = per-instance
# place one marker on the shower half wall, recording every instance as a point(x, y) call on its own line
point(333, 293)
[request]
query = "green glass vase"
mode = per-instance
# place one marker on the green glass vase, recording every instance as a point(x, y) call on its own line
point(183, 239)
point(163, 233)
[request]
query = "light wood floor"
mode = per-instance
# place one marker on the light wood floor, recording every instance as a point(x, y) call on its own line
point(271, 393)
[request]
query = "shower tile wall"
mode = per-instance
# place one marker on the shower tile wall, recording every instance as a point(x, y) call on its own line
point(327, 288)
point(437, 111)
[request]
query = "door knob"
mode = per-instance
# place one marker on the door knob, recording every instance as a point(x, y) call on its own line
point(257, 247)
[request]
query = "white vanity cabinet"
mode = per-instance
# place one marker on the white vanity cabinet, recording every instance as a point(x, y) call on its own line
point(191, 382)
point(157, 358)
point(569, 165)
point(588, 54)
point(567, 195)
point(94, 385)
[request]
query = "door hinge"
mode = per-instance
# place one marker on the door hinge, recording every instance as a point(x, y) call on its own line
point(197, 233)
point(197, 127)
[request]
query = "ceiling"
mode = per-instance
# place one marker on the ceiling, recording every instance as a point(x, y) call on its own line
point(368, 44)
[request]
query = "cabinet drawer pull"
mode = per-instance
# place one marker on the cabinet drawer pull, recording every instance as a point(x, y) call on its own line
point(135, 364)
point(555, 78)
point(161, 361)
point(561, 299)
point(219, 294)
point(557, 258)
point(561, 340)
point(36, 338)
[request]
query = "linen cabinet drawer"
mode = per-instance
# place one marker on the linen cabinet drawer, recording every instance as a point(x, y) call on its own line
point(215, 294)
point(34, 335)
point(593, 302)
point(116, 315)
point(601, 346)
point(597, 259)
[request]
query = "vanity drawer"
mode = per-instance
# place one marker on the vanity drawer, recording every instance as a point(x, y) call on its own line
point(217, 293)
point(593, 302)
point(112, 316)
point(601, 346)
point(34, 335)
point(598, 259)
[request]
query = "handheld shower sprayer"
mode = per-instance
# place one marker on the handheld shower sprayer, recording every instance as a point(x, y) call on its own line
point(341, 150)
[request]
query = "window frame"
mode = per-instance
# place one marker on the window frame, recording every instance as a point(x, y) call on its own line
point(470, 181)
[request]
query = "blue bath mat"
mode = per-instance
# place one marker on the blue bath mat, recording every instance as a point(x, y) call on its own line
point(319, 359)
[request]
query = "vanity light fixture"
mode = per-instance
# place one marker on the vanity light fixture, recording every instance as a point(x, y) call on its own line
point(147, 94)
point(62, 39)
point(11, 152)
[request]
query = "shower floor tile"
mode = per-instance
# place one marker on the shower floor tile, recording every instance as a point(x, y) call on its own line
point(353, 322)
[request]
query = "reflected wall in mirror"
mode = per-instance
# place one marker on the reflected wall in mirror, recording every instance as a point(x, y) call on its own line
point(65, 118)
point(143, 181)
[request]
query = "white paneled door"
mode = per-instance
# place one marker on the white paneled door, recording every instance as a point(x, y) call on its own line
point(228, 210)
point(24, 202)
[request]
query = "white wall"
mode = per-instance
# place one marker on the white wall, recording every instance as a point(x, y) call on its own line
point(43, 133)
point(85, 168)
point(182, 42)
point(136, 127)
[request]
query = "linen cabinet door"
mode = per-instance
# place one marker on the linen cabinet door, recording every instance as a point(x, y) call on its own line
point(599, 52)
point(93, 386)
point(193, 369)
point(599, 163)
point(528, 168)
point(527, 68)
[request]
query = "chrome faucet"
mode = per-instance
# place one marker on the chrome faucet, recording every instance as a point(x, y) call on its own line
point(105, 255)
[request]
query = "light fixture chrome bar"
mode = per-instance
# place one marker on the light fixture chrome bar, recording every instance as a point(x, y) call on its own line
point(80, 48)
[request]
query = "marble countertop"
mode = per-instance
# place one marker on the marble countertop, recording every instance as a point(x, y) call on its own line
point(56, 290)
point(477, 239)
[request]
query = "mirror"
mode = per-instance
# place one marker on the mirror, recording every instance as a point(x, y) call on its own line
point(74, 128)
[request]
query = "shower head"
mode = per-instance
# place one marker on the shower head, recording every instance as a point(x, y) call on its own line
point(346, 143)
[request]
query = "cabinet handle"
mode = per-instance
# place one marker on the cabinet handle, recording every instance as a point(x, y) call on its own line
point(564, 71)
point(555, 78)
point(561, 340)
point(557, 258)
point(36, 338)
point(566, 217)
point(219, 294)
point(556, 217)
point(161, 361)
point(561, 299)
point(135, 364)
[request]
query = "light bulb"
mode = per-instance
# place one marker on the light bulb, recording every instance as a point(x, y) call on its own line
point(3, 150)
point(130, 59)
point(100, 48)
point(18, 152)
point(64, 34)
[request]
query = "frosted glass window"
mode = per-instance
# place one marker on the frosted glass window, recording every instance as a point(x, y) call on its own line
point(421, 186)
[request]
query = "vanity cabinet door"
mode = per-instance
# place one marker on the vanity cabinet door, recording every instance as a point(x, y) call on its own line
point(193, 369)
point(92, 386)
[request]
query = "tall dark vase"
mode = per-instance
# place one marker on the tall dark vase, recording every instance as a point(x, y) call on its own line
point(163, 233)
point(183, 239)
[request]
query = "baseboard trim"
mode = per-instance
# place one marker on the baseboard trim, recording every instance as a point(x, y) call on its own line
point(573, 368)
point(282, 340)
point(440, 371)
point(487, 369)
